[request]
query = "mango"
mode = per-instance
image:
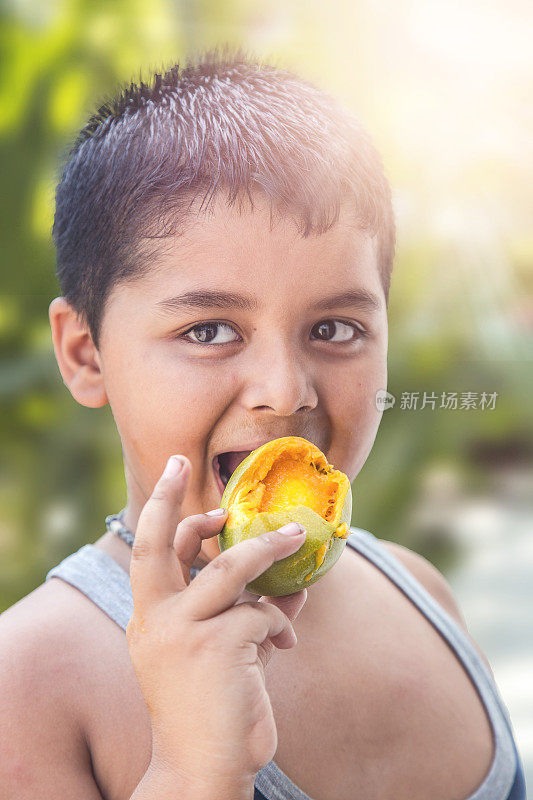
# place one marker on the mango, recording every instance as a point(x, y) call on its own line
point(289, 480)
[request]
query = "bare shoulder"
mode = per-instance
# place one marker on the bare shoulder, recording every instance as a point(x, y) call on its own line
point(42, 647)
point(429, 576)
point(434, 582)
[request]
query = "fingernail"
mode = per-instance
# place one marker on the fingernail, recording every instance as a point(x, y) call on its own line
point(216, 512)
point(292, 529)
point(173, 467)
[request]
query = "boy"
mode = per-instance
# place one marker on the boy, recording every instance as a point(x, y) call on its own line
point(211, 331)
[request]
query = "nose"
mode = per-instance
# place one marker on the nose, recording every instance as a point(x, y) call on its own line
point(280, 381)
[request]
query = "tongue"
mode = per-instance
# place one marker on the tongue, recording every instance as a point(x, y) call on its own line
point(234, 459)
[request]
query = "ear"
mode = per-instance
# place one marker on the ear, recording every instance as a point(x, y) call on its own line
point(78, 359)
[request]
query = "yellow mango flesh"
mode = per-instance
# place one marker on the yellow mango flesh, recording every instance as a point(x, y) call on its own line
point(291, 483)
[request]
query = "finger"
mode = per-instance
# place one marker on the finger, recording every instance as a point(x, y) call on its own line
point(247, 597)
point(255, 623)
point(190, 534)
point(217, 587)
point(153, 570)
point(290, 604)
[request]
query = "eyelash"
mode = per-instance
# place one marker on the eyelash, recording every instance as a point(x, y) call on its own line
point(360, 331)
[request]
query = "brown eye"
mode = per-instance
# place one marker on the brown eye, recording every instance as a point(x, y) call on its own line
point(207, 333)
point(327, 329)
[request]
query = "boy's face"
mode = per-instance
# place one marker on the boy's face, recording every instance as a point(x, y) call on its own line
point(211, 377)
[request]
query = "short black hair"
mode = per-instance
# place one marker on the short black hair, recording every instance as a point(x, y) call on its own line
point(225, 120)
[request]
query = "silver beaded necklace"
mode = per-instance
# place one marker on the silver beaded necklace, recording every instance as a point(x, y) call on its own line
point(115, 524)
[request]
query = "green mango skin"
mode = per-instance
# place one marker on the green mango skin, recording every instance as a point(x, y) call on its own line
point(287, 575)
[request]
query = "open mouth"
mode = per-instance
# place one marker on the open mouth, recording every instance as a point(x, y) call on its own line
point(225, 464)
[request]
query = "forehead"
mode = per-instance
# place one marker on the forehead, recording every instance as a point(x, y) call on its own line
point(263, 252)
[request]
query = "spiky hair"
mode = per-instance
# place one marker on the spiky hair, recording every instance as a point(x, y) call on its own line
point(225, 121)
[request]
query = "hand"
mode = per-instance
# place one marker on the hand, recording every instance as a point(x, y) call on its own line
point(199, 649)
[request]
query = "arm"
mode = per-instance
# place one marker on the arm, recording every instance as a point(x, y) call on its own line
point(44, 750)
point(43, 753)
point(47, 759)
point(164, 783)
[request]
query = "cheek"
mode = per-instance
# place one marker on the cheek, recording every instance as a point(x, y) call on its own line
point(355, 387)
point(355, 416)
point(161, 403)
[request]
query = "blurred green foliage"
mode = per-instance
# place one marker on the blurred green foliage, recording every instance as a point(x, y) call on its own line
point(460, 317)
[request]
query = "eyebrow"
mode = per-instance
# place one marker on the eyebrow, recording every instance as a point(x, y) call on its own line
point(359, 298)
point(203, 298)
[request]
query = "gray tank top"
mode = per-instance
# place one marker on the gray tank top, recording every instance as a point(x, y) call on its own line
point(103, 581)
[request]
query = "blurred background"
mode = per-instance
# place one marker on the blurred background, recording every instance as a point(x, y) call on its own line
point(443, 88)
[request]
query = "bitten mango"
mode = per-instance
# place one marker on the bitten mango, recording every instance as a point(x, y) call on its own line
point(289, 480)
